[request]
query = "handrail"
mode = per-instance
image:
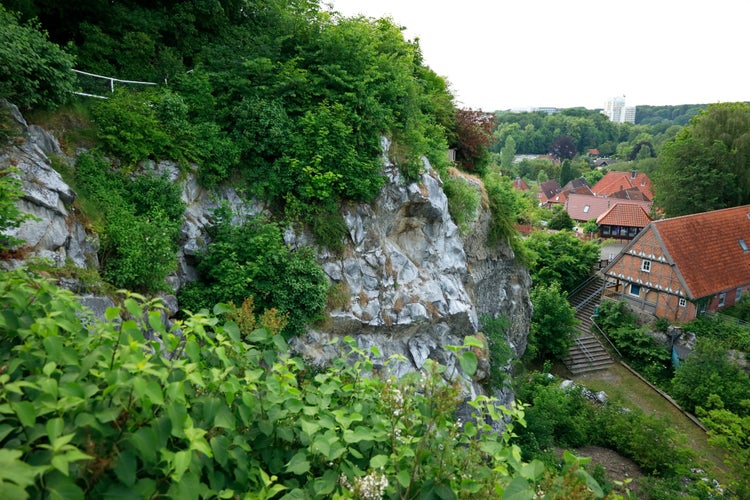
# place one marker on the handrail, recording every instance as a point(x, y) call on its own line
point(582, 285)
point(584, 349)
point(111, 80)
point(597, 293)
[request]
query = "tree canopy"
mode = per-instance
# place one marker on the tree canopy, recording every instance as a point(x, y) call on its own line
point(707, 166)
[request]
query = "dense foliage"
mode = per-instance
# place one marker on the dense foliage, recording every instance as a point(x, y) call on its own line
point(139, 220)
point(560, 257)
point(707, 166)
point(215, 407)
point(553, 323)
point(248, 258)
point(33, 70)
point(634, 344)
point(558, 416)
point(709, 378)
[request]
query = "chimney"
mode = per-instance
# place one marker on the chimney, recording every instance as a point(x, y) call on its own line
point(632, 174)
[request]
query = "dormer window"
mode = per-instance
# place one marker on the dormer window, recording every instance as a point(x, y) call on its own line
point(646, 266)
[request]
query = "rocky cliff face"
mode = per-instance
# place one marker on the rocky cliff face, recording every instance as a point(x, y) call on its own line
point(409, 283)
point(415, 285)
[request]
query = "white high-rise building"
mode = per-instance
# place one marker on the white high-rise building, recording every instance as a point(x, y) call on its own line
point(618, 112)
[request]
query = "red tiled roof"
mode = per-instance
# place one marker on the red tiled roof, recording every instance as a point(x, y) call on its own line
point(577, 203)
point(519, 184)
point(707, 249)
point(616, 181)
point(630, 194)
point(625, 214)
point(548, 189)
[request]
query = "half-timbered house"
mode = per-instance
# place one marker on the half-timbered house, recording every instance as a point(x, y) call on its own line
point(681, 267)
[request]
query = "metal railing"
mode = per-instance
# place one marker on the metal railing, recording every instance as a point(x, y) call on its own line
point(108, 79)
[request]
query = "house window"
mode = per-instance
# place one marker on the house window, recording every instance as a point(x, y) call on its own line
point(722, 298)
point(635, 290)
point(646, 266)
point(682, 302)
point(738, 295)
point(605, 230)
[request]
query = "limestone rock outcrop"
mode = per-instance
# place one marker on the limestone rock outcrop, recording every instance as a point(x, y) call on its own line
point(411, 283)
point(415, 284)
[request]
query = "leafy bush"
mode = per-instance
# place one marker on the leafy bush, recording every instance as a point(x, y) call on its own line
point(565, 417)
point(553, 323)
point(212, 410)
point(494, 330)
point(33, 70)
point(140, 223)
point(641, 351)
point(503, 208)
point(728, 334)
point(463, 200)
point(129, 127)
point(251, 259)
point(560, 257)
point(709, 375)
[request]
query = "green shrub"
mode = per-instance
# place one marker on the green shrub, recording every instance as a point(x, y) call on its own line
point(129, 128)
point(215, 410)
point(251, 259)
point(709, 375)
point(33, 70)
point(566, 418)
point(553, 324)
point(463, 201)
point(641, 351)
point(140, 220)
point(494, 330)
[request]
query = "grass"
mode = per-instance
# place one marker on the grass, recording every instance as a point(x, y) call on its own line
point(628, 390)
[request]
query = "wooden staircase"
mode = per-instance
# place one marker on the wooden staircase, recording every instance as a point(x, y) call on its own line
point(587, 353)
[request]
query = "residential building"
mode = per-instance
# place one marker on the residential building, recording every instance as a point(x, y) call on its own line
point(681, 267)
point(520, 185)
point(623, 221)
point(547, 191)
point(613, 182)
point(583, 208)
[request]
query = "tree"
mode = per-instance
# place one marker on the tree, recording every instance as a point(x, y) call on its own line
point(560, 219)
point(707, 373)
point(473, 138)
point(567, 173)
point(33, 70)
point(707, 166)
point(563, 148)
point(508, 153)
point(560, 257)
point(553, 323)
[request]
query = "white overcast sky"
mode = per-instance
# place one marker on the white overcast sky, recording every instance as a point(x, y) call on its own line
point(501, 54)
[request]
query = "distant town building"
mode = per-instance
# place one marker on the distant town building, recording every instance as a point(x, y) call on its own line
point(618, 112)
